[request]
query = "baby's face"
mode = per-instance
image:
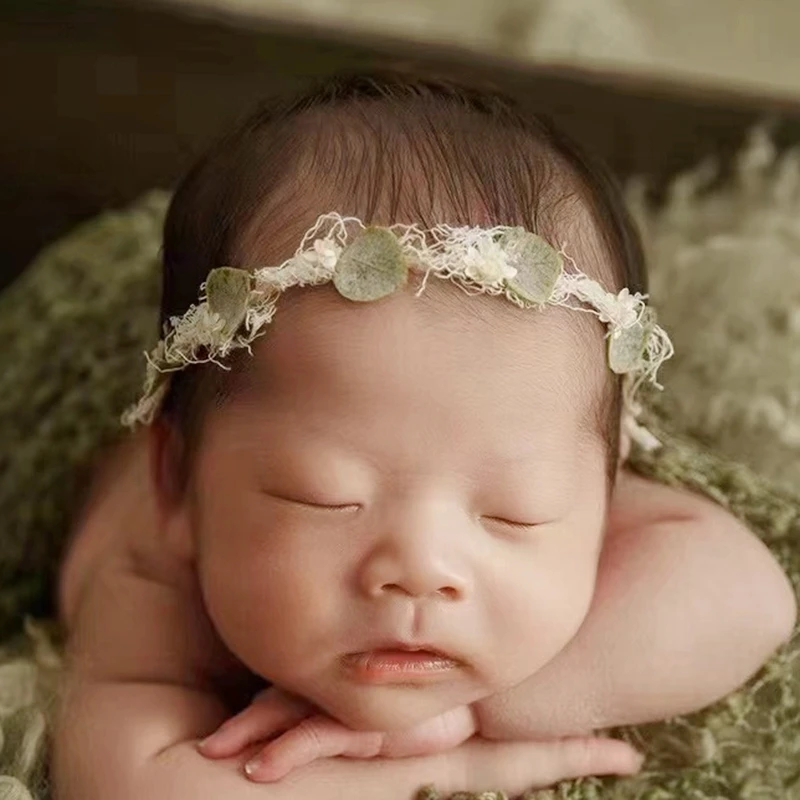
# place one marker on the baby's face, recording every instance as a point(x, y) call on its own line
point(402, 473)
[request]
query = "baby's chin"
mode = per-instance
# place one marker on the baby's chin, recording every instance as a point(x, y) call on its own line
point(393, 708)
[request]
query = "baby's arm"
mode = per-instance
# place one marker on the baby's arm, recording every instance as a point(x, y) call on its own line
point(134, 708)
point(688, 605)
point(137, 741)
point(138, 697)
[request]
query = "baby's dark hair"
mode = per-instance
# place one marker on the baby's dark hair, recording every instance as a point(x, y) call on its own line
point(386, 148)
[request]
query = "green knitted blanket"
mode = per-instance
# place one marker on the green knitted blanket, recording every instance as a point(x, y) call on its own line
point(73, 329)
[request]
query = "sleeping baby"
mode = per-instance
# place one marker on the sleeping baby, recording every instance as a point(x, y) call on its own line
point(374, 528)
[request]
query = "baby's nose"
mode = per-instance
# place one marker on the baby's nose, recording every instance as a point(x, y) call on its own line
point(416, 569)
point(452, 589)
point(420, 548)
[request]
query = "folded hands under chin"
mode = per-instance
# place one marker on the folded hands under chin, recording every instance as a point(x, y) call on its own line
point(296, 733)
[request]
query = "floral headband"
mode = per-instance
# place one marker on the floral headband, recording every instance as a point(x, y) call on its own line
point(367, 263)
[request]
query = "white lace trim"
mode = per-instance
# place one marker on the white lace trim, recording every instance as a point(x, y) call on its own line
point(478, 260)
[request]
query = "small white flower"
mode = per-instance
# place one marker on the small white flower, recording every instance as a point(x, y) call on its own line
point(621, 309)
point(200, 328)
point(626, 308)
point(325, 253)
point(487, 263)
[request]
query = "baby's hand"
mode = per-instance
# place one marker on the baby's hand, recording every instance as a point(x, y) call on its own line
point(308, 735)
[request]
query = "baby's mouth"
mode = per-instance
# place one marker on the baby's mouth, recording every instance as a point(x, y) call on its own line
point(400, 663)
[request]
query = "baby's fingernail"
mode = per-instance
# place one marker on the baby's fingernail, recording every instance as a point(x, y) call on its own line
point(251, 767)
point(203, 743)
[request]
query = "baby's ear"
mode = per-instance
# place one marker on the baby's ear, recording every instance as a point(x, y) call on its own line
point(166, 459)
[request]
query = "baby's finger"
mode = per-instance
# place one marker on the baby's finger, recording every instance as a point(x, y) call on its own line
point(257, 722)
point(517, 767)
point(315, 737)
point(596, 755)
point(432, 736)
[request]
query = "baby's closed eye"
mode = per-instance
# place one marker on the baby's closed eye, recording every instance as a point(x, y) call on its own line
point(328, 502)
point(513, 523)
point(313, 502)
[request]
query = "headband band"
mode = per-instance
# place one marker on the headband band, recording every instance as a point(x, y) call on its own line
point(366, 263)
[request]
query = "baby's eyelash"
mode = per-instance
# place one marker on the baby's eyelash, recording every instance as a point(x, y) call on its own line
point(321, 506)
point(512, 523)
point(337, 507)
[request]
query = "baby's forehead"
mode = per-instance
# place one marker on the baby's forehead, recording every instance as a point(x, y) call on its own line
point(523, 359)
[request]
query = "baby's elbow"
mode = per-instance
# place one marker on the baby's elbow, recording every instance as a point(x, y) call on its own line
point(782, 612)
point(772, 601)
point(754, 607)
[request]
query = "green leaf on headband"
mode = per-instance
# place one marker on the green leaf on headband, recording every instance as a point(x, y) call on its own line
point(626, 349)
point(371, 267)
point(538, 265)
point(228, 293)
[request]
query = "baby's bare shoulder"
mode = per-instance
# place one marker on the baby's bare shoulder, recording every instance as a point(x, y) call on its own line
point(702, 541)
point(133, 610)
point(118, 517)
point(134, 626)
point(639, 501)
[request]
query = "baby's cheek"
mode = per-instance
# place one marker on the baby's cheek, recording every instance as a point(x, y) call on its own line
point(267, 602)
point(572, 591)
point(538, 613)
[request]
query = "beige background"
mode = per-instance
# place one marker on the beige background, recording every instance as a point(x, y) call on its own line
point(743, 45)
point(101, 100)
